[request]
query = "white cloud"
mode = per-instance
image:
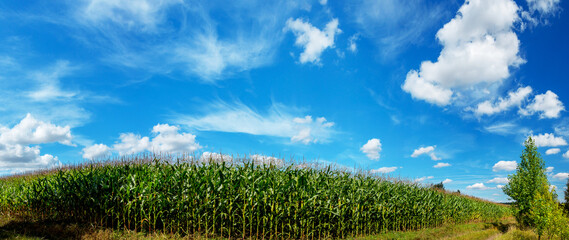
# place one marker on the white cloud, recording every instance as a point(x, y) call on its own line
point(278, 121)
point(561, 176)
point(507, 128)
point(505, 166)
point(421, 179)
point(423, 90)
point(441, 165)
point(168, 140)
point(323, 2)
point(394, 25)
point(143, 14)
point(552, 151)
point(447, 181)
point(216, 157)
point(383, 170)
point(266, 160)
point(211, 58)
point(313, 40)
point(547, 104)
point(562, 127)
point(372, 148)
point(479, 48)
point(499, 180)
point(197, 41)
point(544, 7)
point(131, 143)
point(548, 140)
point(499, 186)
point(43, 92)
point(426, 150)
point(15, 152)
point(549, 169)
point(49, 84)
point(96, 151)
point(352, 46)
point(478, 186)
point(566, 154)
point(514, 99)
point(33, 131)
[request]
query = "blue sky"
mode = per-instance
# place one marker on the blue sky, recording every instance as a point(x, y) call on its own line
point(427, 91)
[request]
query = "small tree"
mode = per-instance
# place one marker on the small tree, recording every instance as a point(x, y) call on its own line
point(524, 185)
point(440, 186)
point(543, 207)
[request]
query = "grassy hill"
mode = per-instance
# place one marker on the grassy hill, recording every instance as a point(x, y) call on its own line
point(244, 198)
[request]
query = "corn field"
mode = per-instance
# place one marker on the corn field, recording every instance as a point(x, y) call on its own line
point(244, 200)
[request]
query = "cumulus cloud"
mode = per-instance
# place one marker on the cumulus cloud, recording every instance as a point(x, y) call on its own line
point(561, 176)
point(478, 186)
point(505, 166)
point(447, 181)
point(215, 157)
point(552, 151)
point(33, 131)
point(313, 40)
point(499, 180)
point(166, 139)
point(548, 140)
point(131, 143)
point(278, 121)
point(421, 179)
point(96, 151)
point(426, 150)
point(266, 160)
point(549, 169)
point(441, 165)
point(372, 149)
point(479, 48)
point(547, 105)
point(16, 152)
point(566, 154)
point(514, 99)
point(499, 186)
point(383, 170)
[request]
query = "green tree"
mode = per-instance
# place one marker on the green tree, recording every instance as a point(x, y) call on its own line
point(528, 180)
point(440, 186)
point(566, 205)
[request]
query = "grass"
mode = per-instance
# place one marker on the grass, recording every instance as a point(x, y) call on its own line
point(239, 199)
point(11, 228)
point(472, 230)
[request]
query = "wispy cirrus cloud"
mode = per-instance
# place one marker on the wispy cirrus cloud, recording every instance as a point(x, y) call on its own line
point(278, 121)
point(198, 42)
point(394, 25)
